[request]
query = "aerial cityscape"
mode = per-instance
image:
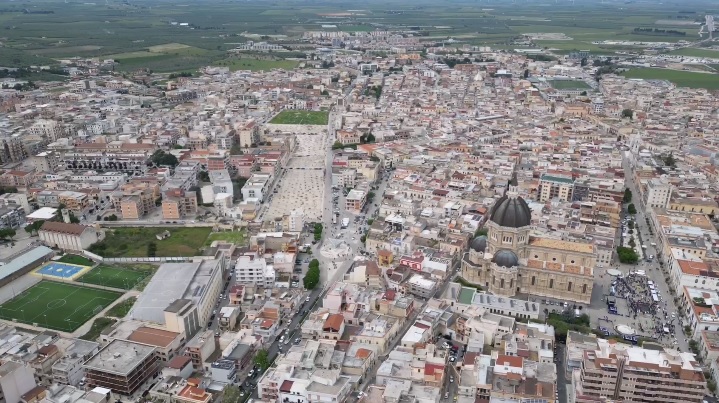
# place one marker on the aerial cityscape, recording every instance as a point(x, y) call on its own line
point(302, 201)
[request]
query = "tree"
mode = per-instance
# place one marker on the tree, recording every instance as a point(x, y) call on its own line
point(162, 158)
point(203, 176)
point(262, 359)
point(627, 196)
point(318, 231)
point(236, 150)
point(627, 255)
point(628, 113)
point(481, 231)
point(35, 226)
point(669, 160)
point(73, 219)
point(583, 62)
point(631, 209)
point(526, 73)
point(337, 145)
point(151, 249)
point(312, 278)
point(231, 394)
point(6, 233)
point(370, 197)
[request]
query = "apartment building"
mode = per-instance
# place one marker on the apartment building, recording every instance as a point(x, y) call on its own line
point(15, 380)
point(200, 348)
point(555, 187)
point(355, 200)
point(256, 187)
point(178, 204)
point(135, 205)
point(122, 366)
point(251, 268)
point(634, 374)
point(658, 193)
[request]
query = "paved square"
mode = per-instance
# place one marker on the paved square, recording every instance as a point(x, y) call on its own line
point(303, 184)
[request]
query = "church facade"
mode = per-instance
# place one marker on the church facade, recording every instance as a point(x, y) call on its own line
point(509, 261)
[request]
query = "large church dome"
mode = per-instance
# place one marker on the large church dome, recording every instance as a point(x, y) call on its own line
point(512, 212)
point(479, 244)
point(506, 258)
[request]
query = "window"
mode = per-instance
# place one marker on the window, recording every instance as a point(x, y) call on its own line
point(572, 262)
point(584, 289)
point(551, 283)
point(501, 283)
point(536, 256)
point(554, 259)
point(533, 280)
point(569, 287)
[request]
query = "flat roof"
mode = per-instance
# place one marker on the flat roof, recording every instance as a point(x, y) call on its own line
point(152, 336)
point(172, 281)
point(119, 357)
point(24, 260)
point(44, 213)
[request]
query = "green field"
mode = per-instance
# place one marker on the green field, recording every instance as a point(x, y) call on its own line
point(569, 84)
point(131, 30)
point(236, 237)
point(115, 277)
point(248, 63)
point(679, 78)
point(296, 117)
point(57, 306)
point(696, 52)
point(75, 259)
point(136, 241)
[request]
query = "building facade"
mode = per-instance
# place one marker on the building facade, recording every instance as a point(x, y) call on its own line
point(509, 261)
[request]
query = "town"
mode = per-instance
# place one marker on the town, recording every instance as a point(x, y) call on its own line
point(406, 223)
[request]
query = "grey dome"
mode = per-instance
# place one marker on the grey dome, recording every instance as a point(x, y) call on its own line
point(506, 258)
point(512, 212)
point(479, 244)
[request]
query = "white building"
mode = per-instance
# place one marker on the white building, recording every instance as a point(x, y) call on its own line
point(256, 187)
point(252, 268)
point(15, 380)
point(66, 236)
point(296, 220)
point(659, 192)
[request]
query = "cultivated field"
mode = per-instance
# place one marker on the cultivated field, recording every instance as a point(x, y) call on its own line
point(135, 241)
point(680, 78)
point(89, 29)
point(254, 64)
point(236, 237)
point(57, 306)
point(292, 117)
point(115, 277)
point(697, 52)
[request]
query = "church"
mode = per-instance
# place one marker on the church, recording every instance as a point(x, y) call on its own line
point(509, 261)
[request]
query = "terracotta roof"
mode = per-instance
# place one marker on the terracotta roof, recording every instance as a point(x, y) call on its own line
point(286, 386)
point(63, 228)
point(33, 393)
point(333, 322)
point(363, 353)
point(179, 362)
point(510, 361)
point(152, 336)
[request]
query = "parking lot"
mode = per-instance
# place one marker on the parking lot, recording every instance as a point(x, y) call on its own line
point(302, 184)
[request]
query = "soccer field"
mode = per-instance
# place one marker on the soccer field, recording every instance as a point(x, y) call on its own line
point(296, 117)
point(57, 306)
point(115, 277)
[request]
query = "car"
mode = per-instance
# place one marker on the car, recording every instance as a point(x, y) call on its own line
point(252, 372)
point(287, 342)
point(452, 359)
point(451, 379)
point(446, 395)
point(297, 340)
point(307, 299)
point(445, 345)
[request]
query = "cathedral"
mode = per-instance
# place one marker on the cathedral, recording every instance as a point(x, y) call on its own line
point(510, 261)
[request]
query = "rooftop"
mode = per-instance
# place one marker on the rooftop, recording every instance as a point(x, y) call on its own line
point(119, 357)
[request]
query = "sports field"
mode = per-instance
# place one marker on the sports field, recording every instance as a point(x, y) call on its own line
point(57, 306)
point(115, 277)
point(292, 117)
point(569, 85)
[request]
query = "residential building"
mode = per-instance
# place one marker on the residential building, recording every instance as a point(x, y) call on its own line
point(122, 366)
point(658, 193)
point(555, 187)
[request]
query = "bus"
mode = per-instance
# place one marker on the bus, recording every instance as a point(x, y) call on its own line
point(334, 219)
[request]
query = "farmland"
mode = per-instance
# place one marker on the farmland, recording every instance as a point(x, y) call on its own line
point(166, 36)
point(680, 78)
point(697, 52)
